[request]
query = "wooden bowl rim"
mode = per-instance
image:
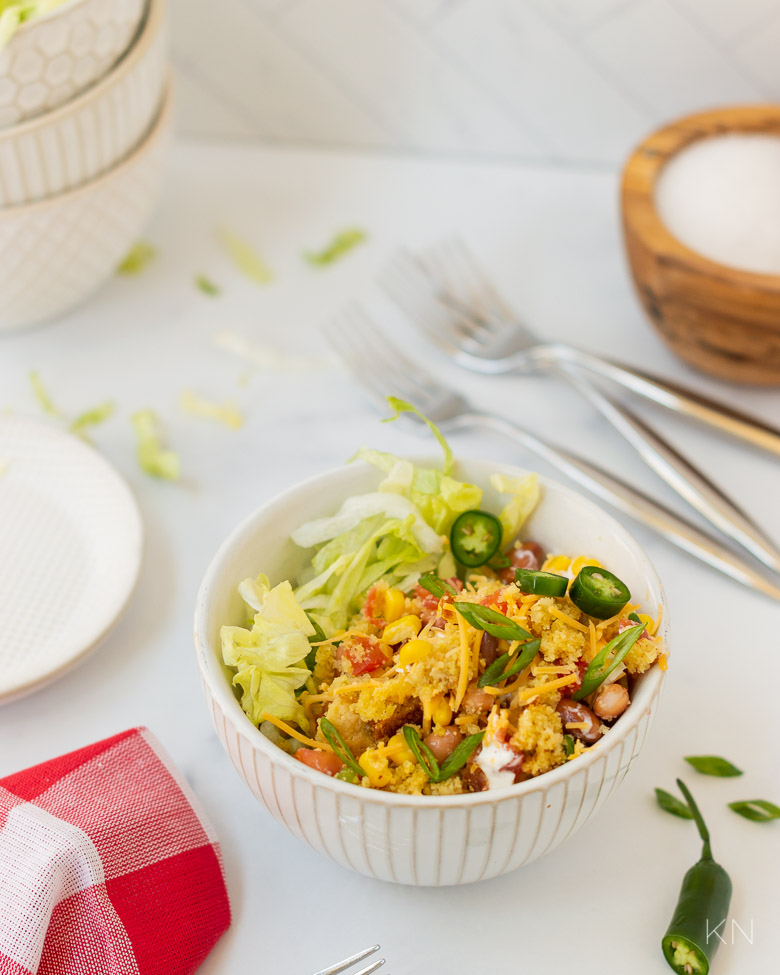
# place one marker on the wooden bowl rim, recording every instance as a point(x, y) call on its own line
point(644, 166)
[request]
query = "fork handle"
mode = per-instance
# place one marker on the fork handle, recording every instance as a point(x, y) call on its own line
point(678, 399)
point(689, 482)
point(634, 503)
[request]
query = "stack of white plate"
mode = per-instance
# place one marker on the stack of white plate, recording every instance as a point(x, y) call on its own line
point(84, 111)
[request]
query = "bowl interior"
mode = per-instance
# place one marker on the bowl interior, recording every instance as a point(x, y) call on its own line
point(564, 522)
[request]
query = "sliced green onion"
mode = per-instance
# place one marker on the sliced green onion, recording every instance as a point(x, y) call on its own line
point(340, 245)
point(339, 746)
point(436, 586)
point(757, 810)
point(245, 257)
point(347, 775)
point(501, 668)
point(672, 804)
point(137, 258)
point(607, 660)
point(455, 761)
point(460, 755)
point(713, 765)
point(568, 745)
point(491, 621)
point(207, 286)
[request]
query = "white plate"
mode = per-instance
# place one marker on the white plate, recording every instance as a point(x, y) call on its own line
point(70, 552)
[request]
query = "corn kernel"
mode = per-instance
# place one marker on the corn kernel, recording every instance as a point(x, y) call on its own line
point(374, 764)
point(557, 563)
point(648, 621)
point(404, 628)
point(441, 712)
point(581, 561)
point(414, 651)
point(398, 751)
point(394, 605)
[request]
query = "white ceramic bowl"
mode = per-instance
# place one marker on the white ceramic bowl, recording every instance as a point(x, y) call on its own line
point(89, 135)
point(419, 840)
point(53, 58)
point(56, 252)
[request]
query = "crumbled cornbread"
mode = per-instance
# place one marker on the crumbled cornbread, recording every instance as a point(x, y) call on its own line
point(539, 737)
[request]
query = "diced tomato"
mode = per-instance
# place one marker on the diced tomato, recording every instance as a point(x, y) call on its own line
point(430, 603)
point(363, 653)
point(372, 608)
point(529, 555)
point(495, 601)
point(320, 761)
point(576, 685)
point(625, 624)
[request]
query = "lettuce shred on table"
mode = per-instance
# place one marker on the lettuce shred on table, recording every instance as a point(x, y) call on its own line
point(140, 255)
point(92, 417)
point(228, 414)
point(13, 13)
point(42, 395)
point(394, 534)
point(152, 457)
point(206, 285)
point(245, 257)
point(340, 245)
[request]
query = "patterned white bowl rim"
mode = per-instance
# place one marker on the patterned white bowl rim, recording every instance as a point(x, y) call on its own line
point(213, 674)
point(150, 27)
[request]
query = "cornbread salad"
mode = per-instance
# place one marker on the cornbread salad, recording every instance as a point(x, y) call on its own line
point(430, 648)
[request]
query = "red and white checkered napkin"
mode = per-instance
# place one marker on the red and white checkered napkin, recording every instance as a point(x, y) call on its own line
point(106, 866)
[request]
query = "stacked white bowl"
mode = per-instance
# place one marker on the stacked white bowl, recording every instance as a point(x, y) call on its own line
point(84, 114)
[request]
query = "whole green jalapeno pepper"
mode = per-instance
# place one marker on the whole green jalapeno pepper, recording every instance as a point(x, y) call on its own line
point(694, 932)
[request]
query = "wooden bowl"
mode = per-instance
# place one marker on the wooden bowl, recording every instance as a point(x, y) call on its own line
point(720, 319)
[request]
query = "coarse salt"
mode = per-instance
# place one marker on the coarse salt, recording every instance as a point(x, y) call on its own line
point(720, 196)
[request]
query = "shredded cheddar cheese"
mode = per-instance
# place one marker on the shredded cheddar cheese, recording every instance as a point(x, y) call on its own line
point(283, 726)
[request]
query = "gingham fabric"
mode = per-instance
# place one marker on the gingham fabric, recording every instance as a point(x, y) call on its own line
point(107, 867)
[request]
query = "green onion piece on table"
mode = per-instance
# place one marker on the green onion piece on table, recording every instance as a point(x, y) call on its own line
point(691, 940)
point(340, 245)
point(502, 669)
point(152, 457)
point(137, 258)
point(757, 810)
point(599, 593)
point(672, 804)
point(541, 583)
point(206, 285)
point(607, 660)
point(339, 746)
point(475, 538)
point(491, 621)
point(713, 765)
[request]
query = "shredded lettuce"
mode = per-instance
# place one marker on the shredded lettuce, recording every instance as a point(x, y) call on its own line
point(42, 395)
point(137, 258)
point(229, 414)
point(525, 497)
point(340, 245)
point(152, 457)
point(91, 418)
point(245, 257)
point(206, 285)
point(269, 656)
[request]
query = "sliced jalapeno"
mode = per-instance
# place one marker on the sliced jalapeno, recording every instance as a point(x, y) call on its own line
point(475, 538)
point(541, 583)
point(599, 593)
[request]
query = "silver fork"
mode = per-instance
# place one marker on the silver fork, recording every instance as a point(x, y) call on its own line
point(482, 332)
point(342, 966)
point(451, 300)
point(382, 370)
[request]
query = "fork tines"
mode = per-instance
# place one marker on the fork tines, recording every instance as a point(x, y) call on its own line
point(375, 363)
point(342, 966)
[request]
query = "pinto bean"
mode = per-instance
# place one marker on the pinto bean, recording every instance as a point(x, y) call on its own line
point(529, 555)
point(611, 701)
point(444, 745)
point(488, 648)
point(574, 712)
point(477, 701)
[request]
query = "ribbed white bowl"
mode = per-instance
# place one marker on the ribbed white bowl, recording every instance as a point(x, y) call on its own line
point(53, 58)
point(91, 134)
point(424, 841)
point(56, 252)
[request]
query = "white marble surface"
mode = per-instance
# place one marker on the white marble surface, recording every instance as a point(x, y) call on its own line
point(599, 903)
